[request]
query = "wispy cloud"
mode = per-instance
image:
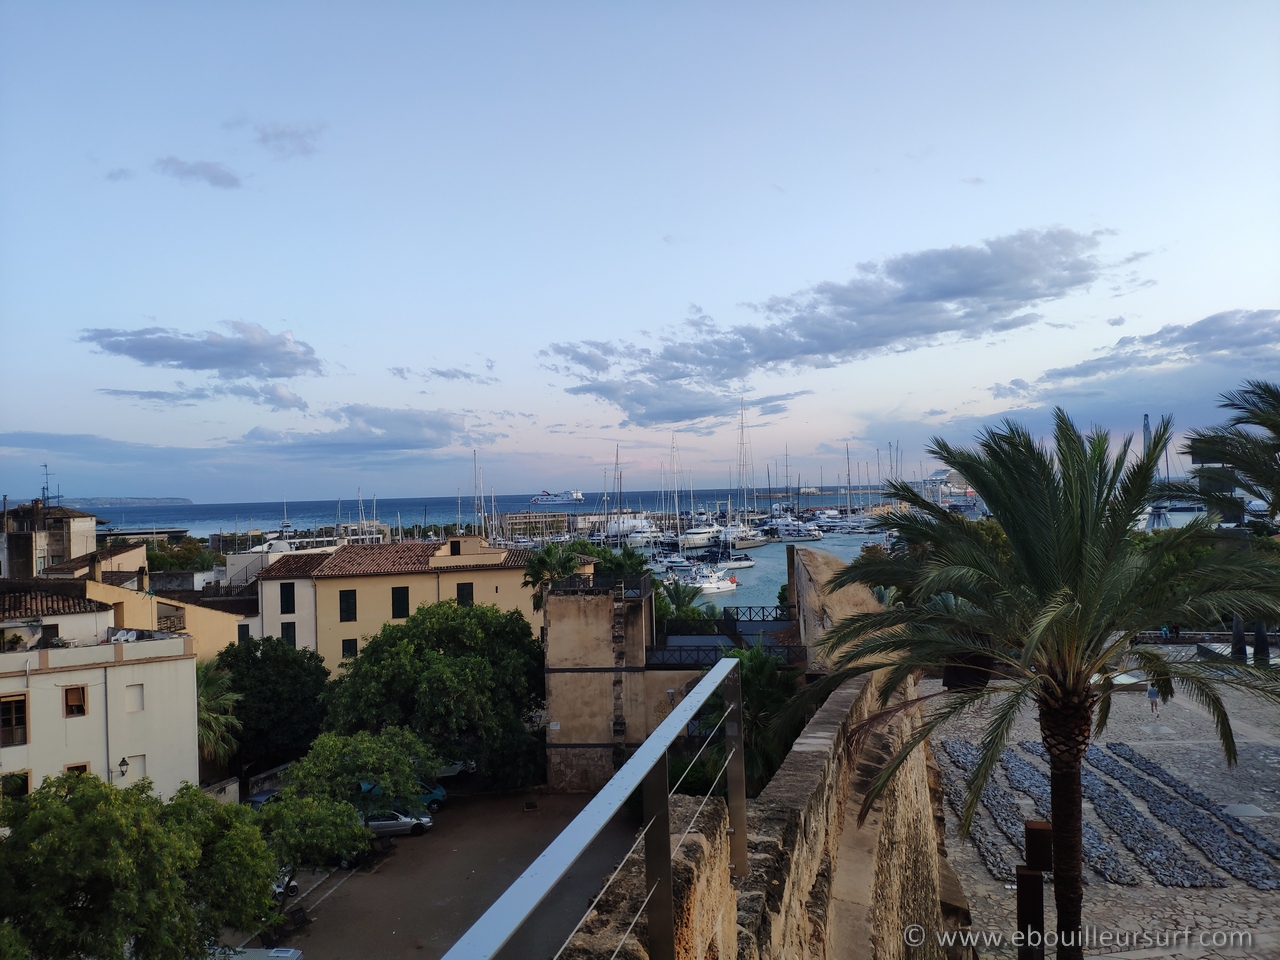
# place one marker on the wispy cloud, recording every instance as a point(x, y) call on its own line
point(205, 171)
point(443, 373)
point(119, 174)
point(363, 429)
point(274, 395)
point(973, 181)
point(906, 302)
point(249, 351)
point(286, 141)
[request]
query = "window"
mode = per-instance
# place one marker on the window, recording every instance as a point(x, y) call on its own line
point(286, 598)
point(50, 631)
point(399, 603)
point(133, 699)
point(466, 594)
point(289, 633)
point(13, 721)
point(455, 548)
point(242, 632)
point(73, 701)
point(76, 768)
point(348, 648)
point(16, 784)
point(346, 605)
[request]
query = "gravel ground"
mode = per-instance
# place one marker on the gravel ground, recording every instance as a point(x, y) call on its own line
point(1182, 743)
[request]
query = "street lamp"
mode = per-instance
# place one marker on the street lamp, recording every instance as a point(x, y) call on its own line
point(124, 767)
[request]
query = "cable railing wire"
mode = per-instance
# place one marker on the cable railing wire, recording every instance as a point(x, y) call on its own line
point(631, 926)
point(704, 746)
point(621, 863)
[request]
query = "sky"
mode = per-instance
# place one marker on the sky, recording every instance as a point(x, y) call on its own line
point(252, 251)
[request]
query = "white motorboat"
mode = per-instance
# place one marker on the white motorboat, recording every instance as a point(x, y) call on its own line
point(710, 580)
point(736, 561)
point(787, 527)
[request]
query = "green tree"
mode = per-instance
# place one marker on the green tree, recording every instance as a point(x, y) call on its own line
point(281, 707)
point(216, 722)
point(366, 770)
point(89, 870)
point(683, 598)
point(768, 730)
point(1244, 452)
point(308, 833)
point(188, 554)
point(553, 562)
point(1048, 609)
point(467, 680)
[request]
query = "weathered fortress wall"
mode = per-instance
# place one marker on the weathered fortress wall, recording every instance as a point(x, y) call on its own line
point(888, 874)
point(820, 887)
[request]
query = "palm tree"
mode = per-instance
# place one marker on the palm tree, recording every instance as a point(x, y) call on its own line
point(767, 728)
point(216, 723)
point(1041, 603)
point(1244, 452)
point(553, 562)
point(682, 597)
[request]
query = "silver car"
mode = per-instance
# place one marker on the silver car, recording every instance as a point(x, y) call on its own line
point(388, 823)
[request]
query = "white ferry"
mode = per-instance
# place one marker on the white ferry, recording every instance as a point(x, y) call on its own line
point(564, 496)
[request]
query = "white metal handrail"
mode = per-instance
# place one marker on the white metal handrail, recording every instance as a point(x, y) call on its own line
point(647, 768)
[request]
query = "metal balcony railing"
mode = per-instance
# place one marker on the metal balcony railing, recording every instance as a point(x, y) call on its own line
point(705, 655)
point(632, 587)
point(756, 614)
point(647, 768)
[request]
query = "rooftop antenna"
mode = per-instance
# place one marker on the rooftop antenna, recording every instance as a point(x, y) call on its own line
point(44, 491)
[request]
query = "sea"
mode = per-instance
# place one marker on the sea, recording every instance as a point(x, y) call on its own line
point(757, 586)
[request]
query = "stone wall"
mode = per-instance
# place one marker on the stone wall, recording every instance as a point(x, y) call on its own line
point(816, 878)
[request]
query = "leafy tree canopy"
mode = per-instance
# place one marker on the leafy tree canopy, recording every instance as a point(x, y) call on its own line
point(467, 680)
point(390, 763)
point(281, 691)
point(307, 833)
point(187, 554)
point(89, 870)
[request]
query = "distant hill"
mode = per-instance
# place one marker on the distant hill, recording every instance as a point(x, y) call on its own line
point(81, 503)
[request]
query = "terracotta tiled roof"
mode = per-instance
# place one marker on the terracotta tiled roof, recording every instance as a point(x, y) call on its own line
point(37, 603)
point(358, 559)
point(241, 606)
point(120, 578)
point(26, 512)
point(76, 563)
point(293, 566)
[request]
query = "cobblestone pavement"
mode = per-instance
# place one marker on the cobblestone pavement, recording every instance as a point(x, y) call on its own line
point(1182, 741)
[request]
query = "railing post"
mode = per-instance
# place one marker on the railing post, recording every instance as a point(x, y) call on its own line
point(737, 773)
point(657, 863)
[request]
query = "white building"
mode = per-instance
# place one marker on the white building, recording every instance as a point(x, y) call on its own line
point(91, 707)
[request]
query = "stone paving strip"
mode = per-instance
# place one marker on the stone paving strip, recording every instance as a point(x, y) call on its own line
point(1170, 866)
point(1103, 858)
point(1188, 792)
point(1209, 835)
point(999, 802)
point(991, 849)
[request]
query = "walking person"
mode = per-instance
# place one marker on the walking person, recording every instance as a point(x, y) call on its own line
point(1153, 698)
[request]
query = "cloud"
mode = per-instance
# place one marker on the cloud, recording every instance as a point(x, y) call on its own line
point(906, 302)
point(248, 351)
point(1116, 322)
point(119, 174)
point(1014, 388)
point(935, 412)
point(214, 174)
point(274, 395)
point(365, 430)
point(447, 373)
point(286, 141)
point(973, 181)
point(1230, 336)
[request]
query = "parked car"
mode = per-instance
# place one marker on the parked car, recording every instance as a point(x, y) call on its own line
point(431, 796)
point(451, 768)
point(262, 797)
point(389, 823)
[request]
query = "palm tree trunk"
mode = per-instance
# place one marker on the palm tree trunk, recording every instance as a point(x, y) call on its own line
point(1065, 728)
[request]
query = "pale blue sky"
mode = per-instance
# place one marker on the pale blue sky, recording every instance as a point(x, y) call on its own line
point(259, 250)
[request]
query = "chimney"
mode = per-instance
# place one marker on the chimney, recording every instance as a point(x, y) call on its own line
point(37, 514)
point(144, 581)
point(95, 567)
